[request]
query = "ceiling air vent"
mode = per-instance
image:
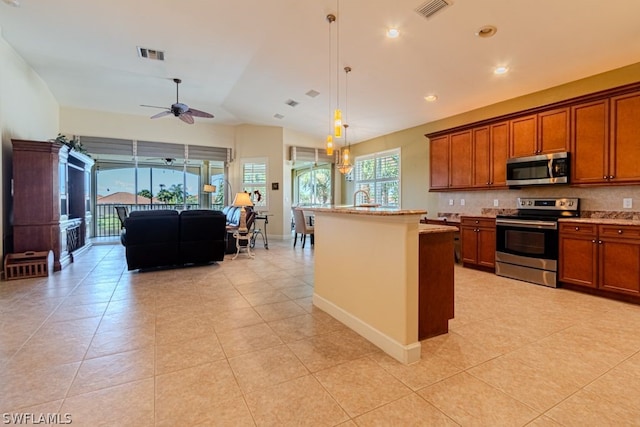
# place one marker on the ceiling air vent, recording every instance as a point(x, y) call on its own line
point(430, 8)
point(291, 102)
point(143, 52)
point(278, 116)
point(312, 93)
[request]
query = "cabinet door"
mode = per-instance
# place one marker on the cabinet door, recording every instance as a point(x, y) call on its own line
point(553, 131)
point(460, 163)
point(625, 139)
point(620, 265)
point(590, 142)
point(499, 153)
point(439, 162)
point(481, 157)
point(487, 247)
point(469, 244)
point(523, 136)
point(578, 260)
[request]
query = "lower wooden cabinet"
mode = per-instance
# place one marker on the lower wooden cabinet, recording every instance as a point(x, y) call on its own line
point(600, 256)
point(478, 242)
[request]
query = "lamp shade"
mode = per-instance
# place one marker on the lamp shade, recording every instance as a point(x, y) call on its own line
point(242, 199)
point(208, 188)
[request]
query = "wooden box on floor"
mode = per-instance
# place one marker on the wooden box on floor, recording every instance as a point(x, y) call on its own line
point(27, 264)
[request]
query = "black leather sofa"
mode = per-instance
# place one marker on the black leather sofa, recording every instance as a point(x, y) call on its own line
point(161, 238)
point(232, 214)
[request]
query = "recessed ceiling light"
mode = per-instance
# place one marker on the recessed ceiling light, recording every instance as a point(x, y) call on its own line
point(487, 31)
point(501, 70)
point(431, 98)
point(392, 33)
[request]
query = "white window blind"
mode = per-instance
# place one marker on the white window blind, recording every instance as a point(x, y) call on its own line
point(379, 175)
point(254, 178)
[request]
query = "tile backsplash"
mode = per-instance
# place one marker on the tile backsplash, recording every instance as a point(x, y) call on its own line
point(597, 202)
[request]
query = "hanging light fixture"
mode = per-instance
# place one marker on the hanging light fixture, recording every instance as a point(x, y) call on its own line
point(337, 114)
point(331, 18)
point(346, 165)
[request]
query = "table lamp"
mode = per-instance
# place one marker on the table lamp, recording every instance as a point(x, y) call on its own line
point(242, 200)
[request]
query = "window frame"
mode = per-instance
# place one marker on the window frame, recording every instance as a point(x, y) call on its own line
point(365, 184)
point(263, 205)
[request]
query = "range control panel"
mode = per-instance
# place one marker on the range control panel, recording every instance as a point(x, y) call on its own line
point(564, 204)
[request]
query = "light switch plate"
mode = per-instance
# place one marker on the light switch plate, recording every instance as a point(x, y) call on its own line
point(627, 203)
point(450, 202)
point(496, 202)
point(461, 202)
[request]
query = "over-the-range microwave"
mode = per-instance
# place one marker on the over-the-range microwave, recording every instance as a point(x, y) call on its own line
point(536, 170)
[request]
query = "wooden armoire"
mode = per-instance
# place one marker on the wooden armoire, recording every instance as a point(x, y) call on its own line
point(51, 191)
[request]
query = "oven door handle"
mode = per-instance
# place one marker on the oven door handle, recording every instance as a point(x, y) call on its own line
point(528, 224)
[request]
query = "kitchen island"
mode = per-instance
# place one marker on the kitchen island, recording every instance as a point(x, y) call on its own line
point(368, 271)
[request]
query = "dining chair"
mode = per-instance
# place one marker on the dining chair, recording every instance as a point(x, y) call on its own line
point(301, 227)
point(122, 214)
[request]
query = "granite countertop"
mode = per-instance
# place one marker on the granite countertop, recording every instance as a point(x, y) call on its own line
point(614, 221)
point(364, 210)
point(431, 228)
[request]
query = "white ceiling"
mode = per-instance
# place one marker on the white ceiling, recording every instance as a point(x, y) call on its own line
point(242, 59)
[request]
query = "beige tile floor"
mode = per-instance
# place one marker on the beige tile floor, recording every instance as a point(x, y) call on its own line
point(240, 343)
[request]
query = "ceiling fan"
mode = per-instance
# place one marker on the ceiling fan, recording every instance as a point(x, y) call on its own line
point(180, 110)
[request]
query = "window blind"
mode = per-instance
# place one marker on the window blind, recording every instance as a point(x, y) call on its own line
point(309, 154)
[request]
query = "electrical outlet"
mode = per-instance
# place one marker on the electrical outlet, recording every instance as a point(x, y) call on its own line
point(450, 202)
point(461, 202)
point(627, 203)
point(496, 202)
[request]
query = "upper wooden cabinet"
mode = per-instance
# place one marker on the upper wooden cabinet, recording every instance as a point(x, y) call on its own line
point(542, 133)
point(605, 137)
point(490, 154)
point(461, 157)
point(624, 147)
point(439, 162)
point(590, 142)
point(450, 163)
point(600, 130)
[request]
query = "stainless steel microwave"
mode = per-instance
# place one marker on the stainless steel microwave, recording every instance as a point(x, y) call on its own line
point(536, 170)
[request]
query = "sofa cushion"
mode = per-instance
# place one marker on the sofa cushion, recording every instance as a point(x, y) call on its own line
point(202, 236)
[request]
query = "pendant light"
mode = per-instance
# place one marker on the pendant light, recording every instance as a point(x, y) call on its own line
point(331, 18)
point(346, 165)
point(337, 114)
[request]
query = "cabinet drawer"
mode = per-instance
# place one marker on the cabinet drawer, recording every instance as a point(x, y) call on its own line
point(471, 221)
point(578, 228)
point(619, 231)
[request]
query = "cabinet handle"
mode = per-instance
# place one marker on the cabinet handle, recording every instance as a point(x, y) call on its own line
point(477, 222)
point(599, 242)
point(604, 177)
point(610, 176)
point(593, 241)
point(619, 231)
point(487, 183)
point(577, 228)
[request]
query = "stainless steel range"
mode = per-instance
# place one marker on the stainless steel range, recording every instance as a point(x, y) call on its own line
point(527, 243)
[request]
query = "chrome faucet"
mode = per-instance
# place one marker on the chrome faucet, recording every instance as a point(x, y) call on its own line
point(366, 195)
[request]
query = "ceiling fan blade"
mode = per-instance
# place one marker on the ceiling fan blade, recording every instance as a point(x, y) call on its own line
point(152, 106)
point(186, 117)
point(162, 114)
point(198, 113)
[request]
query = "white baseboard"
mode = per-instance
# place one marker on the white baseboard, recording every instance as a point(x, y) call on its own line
point(403, 353)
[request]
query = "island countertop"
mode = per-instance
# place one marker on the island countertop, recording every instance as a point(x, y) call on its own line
point(433, 228)
point(356, 210)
